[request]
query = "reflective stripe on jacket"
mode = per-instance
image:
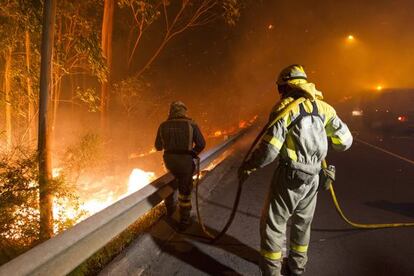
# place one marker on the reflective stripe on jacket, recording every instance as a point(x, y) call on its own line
point(302, 143)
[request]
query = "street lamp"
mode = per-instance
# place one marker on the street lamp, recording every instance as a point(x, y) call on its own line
point(350, 38)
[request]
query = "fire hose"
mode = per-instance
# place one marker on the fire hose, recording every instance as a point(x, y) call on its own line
point(214, 238)
point(361, 225)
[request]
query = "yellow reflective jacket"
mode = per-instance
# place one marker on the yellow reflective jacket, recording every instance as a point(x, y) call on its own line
point(300, 136)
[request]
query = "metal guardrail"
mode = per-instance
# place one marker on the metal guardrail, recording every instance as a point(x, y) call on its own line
point(64, 252)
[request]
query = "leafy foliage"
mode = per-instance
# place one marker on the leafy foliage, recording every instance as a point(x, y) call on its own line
point(130, 93)
point(85, 153)
point(77, 45)
point(19, 203)
point(145, 11)
point(77, 51)
point(137, 97)
point(89, 97)
point(19, 213)
point(231, 11)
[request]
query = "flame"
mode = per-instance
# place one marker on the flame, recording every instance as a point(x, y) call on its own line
point(97, 195)
point(104, 198)
point(218, 160)
point(63, 206)
point(218, 133)
point(95, 205)
point(242, 124)
point(214, 163)
point(139, 155)
point(138, 179)
point(232, 130)
point(153, 150)
point(56, 172)
point(252, 120)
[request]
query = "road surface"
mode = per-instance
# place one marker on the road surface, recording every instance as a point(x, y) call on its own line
point(373, 186)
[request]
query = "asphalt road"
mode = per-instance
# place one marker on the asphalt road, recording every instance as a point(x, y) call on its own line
point(373, 186)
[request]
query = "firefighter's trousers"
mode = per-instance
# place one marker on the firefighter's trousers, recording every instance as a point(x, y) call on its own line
point(292, 196)
point(182, 167)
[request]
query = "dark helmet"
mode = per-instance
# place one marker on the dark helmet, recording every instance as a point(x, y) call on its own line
point(178, 108)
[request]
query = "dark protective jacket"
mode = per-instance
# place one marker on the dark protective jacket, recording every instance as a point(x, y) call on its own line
point(179, 135)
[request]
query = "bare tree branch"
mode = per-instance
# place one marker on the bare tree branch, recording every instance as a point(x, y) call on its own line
point(186, 17)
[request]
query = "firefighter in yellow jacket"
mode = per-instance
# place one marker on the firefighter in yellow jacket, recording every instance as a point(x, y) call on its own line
point(300, 141)
point(181, 140)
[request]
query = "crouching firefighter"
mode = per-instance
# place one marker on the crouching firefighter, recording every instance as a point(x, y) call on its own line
point(299, 129)
point(181, 140)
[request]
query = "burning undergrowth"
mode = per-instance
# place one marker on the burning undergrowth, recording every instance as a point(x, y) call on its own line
point(85, 180)
point(86, 166)
point(105, 183)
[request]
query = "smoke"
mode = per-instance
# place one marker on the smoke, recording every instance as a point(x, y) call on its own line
point(274, 34)
point(227, 74)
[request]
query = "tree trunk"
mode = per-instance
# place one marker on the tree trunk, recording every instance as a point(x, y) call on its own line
point(7, 90)
point(44, 141)
point(30, 114)
point(55, 104)
point(55, 82)
point(107, 27)
point(72, 95)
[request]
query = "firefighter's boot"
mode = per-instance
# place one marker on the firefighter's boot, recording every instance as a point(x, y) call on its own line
point(185, 219)
point(170, 205)
point(185, 212)
point(269, 267)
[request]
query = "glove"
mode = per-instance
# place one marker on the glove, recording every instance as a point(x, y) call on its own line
point(327, 177)
point(244, 173)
